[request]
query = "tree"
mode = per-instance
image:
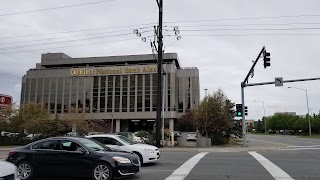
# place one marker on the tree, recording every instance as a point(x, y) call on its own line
point(214, 116)
point(187, 122)
point(6, 114)
point(79, 121)
point(31, 117)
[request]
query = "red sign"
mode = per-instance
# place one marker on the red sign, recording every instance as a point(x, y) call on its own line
point(5, 100)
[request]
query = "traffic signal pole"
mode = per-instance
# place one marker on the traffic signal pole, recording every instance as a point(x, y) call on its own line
point(243, 85)
point(244, 142)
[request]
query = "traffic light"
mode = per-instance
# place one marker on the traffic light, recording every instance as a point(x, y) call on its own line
point(266, 59)
point(239, 110)
point(246, 110)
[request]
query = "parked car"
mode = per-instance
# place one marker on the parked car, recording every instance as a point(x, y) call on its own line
point(147, 153)
point(191, 136)
point(75, 134)
point(32, 136)
point(8, 171)
point(94, 133)
point(132, 136)
point(72, 157)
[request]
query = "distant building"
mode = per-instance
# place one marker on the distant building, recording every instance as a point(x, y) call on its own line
point(250, 121)
point(120, 89)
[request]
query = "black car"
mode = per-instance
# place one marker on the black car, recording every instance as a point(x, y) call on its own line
point(72, 157)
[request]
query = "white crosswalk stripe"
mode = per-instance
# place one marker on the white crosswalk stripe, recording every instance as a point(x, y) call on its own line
point(184, 169)
point(276, 172)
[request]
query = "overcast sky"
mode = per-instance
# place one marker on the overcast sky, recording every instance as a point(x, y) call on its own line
point(220, 38)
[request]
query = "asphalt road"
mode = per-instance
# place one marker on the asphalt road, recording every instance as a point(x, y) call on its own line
point(286, 140)
point(296, 158)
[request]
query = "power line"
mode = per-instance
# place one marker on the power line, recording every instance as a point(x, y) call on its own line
point(59, 7)
point(246, 18)
point(68, 46)
point(256, 29)
point(49, 43)
point(63, 32)
point(254, 24)
point(15, 42)
point(205, 35)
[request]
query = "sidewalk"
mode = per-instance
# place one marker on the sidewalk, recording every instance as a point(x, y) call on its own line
point(253, 145)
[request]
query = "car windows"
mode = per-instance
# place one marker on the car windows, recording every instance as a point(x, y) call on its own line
point(50, 145)
point(107, 140)
point(111, 141)
point(67, 145)
point(94, 145)
point(99, 139)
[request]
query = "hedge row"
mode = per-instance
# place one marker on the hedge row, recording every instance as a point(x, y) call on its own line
point(13, 141)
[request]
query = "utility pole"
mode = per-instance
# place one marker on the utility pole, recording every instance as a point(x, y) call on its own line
point(159, 85)
point(163, 104)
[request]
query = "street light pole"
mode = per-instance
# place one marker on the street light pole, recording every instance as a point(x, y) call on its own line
point(264, 116)
point(206, 112)
point(307, 106)
point(308, 112)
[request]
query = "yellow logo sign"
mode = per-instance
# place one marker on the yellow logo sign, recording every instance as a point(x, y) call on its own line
point(74, 72)
point(113, 70)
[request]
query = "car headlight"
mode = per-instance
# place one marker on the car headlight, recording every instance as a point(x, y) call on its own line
point(149, 150)
point(122, 160)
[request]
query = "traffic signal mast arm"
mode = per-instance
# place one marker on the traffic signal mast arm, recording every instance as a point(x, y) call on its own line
point(243, 84)
point(285, 81)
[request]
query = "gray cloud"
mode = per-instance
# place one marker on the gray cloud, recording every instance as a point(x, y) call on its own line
point(223, 60)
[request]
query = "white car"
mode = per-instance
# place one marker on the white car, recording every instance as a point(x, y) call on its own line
point(191, 136)
point(147, 153)
point(8, 171)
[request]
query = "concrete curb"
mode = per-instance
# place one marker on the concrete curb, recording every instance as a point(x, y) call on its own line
point(221, 149)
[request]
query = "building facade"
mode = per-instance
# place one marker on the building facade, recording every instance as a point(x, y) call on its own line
point(118, 90)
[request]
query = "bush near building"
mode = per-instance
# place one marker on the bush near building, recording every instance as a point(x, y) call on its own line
point(214, 118)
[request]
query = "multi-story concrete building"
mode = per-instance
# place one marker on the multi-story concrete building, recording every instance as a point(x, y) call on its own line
point(118, 90)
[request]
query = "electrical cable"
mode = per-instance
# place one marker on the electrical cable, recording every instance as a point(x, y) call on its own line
point(69, 46)
point(58, 42)
point(59, 7)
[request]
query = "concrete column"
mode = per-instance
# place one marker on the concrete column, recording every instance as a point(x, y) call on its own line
point(171, 125)
point(99, 91)
point(118, 125)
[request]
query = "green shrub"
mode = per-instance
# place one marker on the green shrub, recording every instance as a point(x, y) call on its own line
point(16, 141)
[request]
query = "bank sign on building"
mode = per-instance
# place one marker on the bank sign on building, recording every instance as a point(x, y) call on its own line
point(119, 89)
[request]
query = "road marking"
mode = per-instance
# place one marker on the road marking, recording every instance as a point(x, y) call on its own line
point(302, 142)
point(296, 149)
point(302, 146)
point(268, 142)
point(153, 170)
point(276, 172)
point(184, 169)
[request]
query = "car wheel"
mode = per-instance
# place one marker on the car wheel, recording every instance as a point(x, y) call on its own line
point(140, 157)
point(102, 171)
point(25, 170)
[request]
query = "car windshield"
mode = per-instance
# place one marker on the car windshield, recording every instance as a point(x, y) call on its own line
point(94, 145)
point(126, 140)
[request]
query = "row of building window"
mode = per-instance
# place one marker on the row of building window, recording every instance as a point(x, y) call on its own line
point(128, 93)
